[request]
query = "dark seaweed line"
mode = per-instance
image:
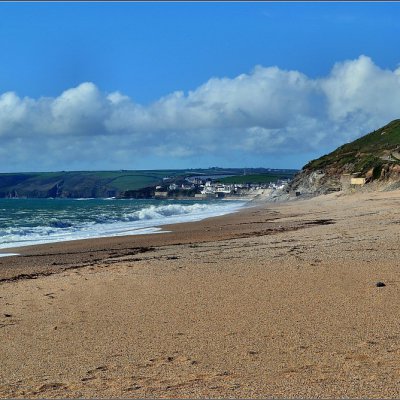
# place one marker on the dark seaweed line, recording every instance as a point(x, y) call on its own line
point(36, 275)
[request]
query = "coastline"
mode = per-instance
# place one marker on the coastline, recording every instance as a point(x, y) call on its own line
point(277, 300)
point(146, 220)
point(54, 257)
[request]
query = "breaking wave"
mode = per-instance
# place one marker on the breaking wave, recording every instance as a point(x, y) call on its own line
point(27, 222)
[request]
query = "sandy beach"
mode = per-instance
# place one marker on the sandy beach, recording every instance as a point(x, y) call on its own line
point(278, 300)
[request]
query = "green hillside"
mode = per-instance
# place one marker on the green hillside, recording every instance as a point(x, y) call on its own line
point(371, 151)
point(78, 183)
point(256, 178)
point(85, 184)
point(374, 157)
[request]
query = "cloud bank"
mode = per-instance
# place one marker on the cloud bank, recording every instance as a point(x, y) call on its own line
point(267, 112)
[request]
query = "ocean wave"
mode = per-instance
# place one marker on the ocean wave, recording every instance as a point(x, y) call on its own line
point(84, 199)
point(157, 212)
point(109, 221)
point(55, 223)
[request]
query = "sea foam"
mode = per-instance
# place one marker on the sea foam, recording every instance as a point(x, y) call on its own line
point(51, 221)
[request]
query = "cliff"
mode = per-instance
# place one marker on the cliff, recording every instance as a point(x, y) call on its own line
point(77, 184)
point(375, 158)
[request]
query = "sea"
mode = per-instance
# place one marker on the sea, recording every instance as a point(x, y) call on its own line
point(25, 222)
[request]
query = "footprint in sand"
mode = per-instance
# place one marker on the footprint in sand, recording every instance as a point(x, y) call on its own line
point(94, 373)
point(52, 386)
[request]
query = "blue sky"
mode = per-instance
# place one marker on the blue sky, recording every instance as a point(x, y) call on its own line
point(189, 84)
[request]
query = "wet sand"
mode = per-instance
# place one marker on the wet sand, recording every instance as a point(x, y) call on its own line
point(279, 300)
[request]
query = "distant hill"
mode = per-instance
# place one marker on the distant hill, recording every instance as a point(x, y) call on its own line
point(375, 157)
point(93, 184)
point(75, 184)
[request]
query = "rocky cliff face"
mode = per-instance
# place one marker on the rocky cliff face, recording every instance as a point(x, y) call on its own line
point(374, 158)
point(314, 183)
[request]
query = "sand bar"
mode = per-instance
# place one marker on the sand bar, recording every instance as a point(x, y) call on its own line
point(279, 300)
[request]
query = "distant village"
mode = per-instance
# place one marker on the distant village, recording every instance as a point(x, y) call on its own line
point(207, 188)
point(213, 182)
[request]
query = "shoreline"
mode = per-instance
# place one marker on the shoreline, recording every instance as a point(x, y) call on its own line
point(279, 300)
point(55, 257)
point(154, 228)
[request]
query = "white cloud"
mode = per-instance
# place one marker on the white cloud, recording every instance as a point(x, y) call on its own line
point(361, 87)
point(268, 111)
point(13, 111)
point(81, 110)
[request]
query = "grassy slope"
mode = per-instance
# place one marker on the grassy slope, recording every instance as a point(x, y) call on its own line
point(96, 183)
point(364, 153)
point(254, 178)
point(80, 180)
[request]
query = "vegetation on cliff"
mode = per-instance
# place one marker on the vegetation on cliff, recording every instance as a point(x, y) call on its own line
point(371, 151)
point(375, 157)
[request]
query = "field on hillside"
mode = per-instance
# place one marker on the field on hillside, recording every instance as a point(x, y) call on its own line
point(113, 183)
point(255, 178)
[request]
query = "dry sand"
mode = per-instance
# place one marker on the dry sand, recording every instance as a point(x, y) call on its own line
point(275, 301)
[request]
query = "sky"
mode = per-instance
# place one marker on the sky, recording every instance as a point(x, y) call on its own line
point(159, 85)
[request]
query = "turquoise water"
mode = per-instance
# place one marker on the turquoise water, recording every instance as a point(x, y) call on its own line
point(34, 221)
